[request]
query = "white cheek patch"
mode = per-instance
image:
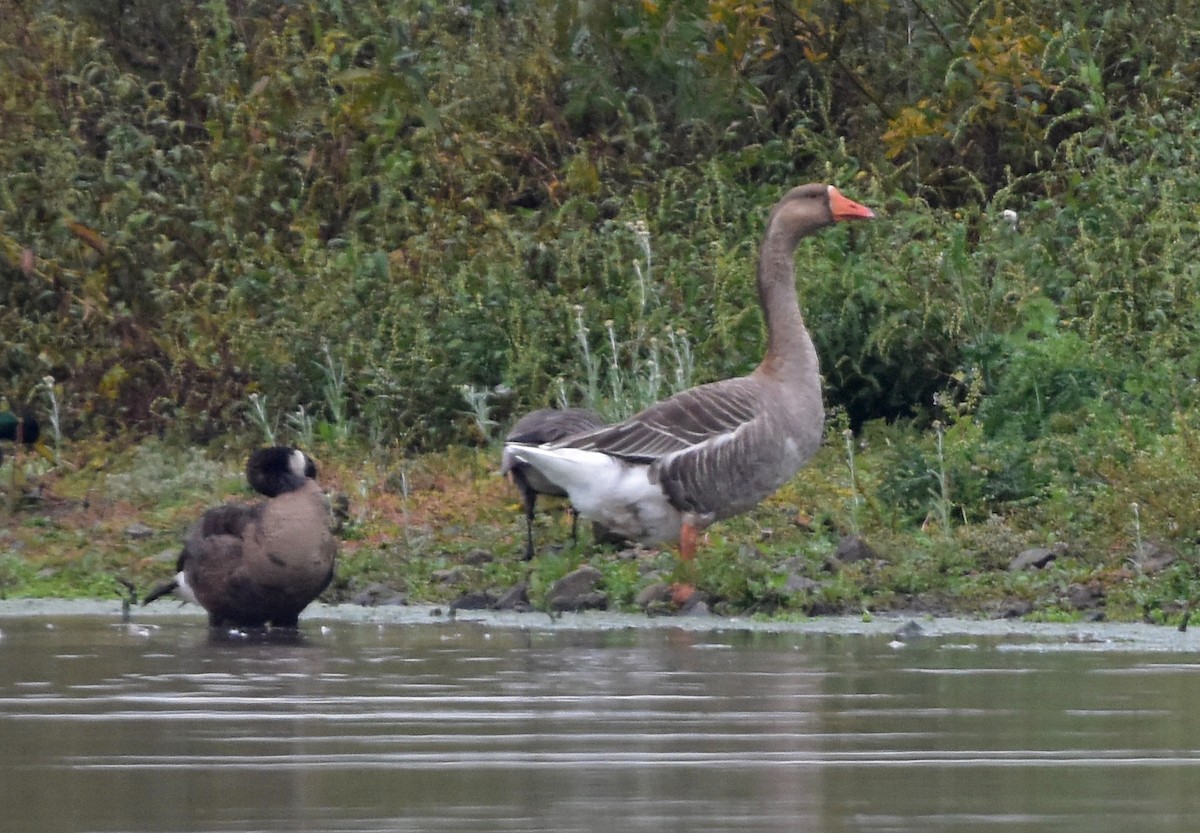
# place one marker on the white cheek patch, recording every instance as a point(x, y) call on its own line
point(296, 462)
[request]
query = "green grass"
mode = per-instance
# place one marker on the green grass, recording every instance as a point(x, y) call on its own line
point(451, 526)
point(221, 226)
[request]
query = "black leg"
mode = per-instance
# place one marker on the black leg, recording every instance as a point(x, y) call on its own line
point(529, 498)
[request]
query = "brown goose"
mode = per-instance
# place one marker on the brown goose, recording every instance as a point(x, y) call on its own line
point(251, 565)
point(545, 425)
point(716, 450)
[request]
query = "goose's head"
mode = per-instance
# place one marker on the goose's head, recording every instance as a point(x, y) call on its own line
point(807, 208)
point(279, 469)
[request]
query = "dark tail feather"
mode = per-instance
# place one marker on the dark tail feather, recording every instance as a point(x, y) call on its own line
point(160, 591)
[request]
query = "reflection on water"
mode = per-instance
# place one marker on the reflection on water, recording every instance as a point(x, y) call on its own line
point(464, 727)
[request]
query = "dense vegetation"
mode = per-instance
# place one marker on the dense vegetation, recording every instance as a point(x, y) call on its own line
point(395, 224)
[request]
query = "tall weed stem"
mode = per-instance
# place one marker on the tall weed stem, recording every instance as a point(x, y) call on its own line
point(335, 393)
point(258, 415)
point(55, 413)
point(942, 504)
point(856, 499)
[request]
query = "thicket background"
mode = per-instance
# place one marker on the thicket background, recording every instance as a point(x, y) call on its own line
point(336, 215)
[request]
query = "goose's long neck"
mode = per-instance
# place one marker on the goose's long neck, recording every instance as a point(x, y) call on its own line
point(790, 351)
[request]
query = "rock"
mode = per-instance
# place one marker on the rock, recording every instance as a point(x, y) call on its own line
point(595, 600)
point(696, 605)
point(652, 594)
point(662, 599)
point(823, 607)
point(376, 594)
point(515, 598)
point(605, 537)
point(138, 530)
point(1015, 609)
point(577, 591)
point(582, 580)
point(476, 558)
point(1085, 596)
point(633, 553)
point(1035, 559)
point(796, 583)
point(1150, 558)
point(909, 631)
point(452, 575)
point(474, 600)
point(853, 548)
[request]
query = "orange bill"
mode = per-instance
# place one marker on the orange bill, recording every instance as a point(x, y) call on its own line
point(844, 208)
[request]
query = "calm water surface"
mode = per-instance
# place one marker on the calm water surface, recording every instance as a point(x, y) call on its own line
point(473, 727)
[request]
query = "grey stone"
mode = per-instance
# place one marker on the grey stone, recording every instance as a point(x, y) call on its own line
point(656, 593)
point(376, 594)
point(474, 600)
point(577, 591)
point(1085, 596)
point(1032, 559)
point(909, 631)
point(853, 548)
point(796, 583)
point(138, 530)
point(477, 557)
point(1150, 558)
point(515, 598)
point(595, 600)
point(452, 575)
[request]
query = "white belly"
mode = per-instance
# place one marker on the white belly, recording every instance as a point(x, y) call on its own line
point(612, 492)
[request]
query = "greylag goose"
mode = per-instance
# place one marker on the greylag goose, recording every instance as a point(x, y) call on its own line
point(545, 425)
point(257, 564)
point(716, 450)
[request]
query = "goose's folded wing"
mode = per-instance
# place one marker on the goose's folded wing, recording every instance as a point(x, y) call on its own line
point(692, 418)
point(552, 424)
point(229, 519)
point(217, 536)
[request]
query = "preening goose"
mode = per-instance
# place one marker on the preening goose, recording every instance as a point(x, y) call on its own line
point(546, 425)
point(257, 564)
point(716, 450)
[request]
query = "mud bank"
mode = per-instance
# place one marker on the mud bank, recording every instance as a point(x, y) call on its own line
point(901, 630)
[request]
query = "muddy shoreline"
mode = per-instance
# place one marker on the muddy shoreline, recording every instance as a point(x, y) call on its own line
point(901, 630)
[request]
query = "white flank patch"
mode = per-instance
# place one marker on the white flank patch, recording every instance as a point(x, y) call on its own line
point(184, 590)
point(611, 491)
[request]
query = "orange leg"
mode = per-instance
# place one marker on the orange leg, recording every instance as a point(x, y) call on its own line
point(688, 536)
point(681, 593)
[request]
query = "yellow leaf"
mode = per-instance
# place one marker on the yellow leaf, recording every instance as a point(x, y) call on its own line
point(88, 236)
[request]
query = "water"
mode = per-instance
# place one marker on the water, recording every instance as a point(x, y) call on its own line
point(540, 726)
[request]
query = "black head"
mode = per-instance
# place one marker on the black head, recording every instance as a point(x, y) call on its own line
point(30, 430)
point(279, 469)
point(22, 428)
